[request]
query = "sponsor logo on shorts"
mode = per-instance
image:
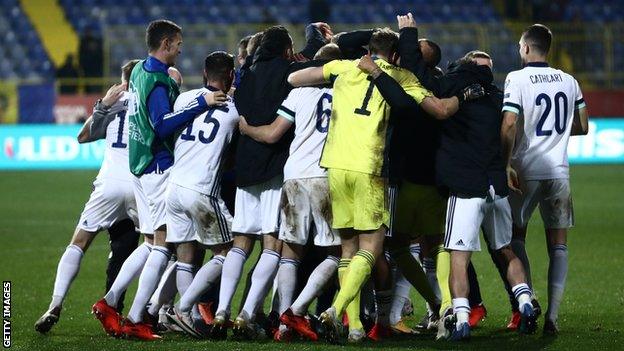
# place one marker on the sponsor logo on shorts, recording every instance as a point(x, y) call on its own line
point(460, 243)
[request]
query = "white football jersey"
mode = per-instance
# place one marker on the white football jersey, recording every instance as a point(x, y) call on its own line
point(310, 110)
point(544, 99)
point(201, 146)
point(115, 163)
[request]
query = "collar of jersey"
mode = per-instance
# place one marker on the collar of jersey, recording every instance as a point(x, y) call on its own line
point(537, 64)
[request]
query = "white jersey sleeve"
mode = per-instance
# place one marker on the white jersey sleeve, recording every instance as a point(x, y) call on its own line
point(201, 146)
point(289, 106)
point(310, 108)
point(544, 99)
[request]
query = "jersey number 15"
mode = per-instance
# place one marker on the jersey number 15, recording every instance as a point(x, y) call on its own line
point(208, 120)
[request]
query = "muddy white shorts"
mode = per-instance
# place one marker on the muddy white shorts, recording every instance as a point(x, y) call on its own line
point(306, 210)
point(553, 197)
point(193, 216)
point(150, 191)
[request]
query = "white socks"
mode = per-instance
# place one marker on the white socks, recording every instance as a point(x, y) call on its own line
point(401, 294)
point(461, 309)
point(232, 270)
point(429, 264)
point(286, 282)
point(166, 290)
point(262, 276)
point(523, 294)
point(130, 269)
point(184, 276)
point(557, 272)
point(150, 276)
point(322, 274)
point(67, 269)
point(204, 279)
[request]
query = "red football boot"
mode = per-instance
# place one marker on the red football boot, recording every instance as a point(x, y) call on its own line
point(300, 324)
point(379, 332)
point(142, 331)
point(514, 322)
point(108, 316)
point(477, 314)
point(205, 310)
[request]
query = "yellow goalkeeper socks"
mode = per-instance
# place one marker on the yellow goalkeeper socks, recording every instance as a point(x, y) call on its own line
point(358, 272)
point(443, 271)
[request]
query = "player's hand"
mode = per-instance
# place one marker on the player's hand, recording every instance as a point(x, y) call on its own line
point(242, 125)
point(325, 30)
point(369, 66)
point(113, 94)
point(406, 21)
point(512, 180)
point(472, 92)
point(298, 57)
point(216, 98)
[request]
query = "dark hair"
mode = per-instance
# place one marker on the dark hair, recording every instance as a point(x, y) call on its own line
point(218, 65)
point(275, 41)
point(159, 30)
point(253, 43)
point(384, 41)
point(127, 68)
point(474, 54)
point(436, 55)
point(539, 37)
point(328, 52)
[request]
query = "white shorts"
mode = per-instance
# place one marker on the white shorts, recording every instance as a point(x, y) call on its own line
point(193, 216)
point(111, 200)
point(305, 202)
point(151, 190)
point(257, 208)
point(554, 199)
point(465, 216)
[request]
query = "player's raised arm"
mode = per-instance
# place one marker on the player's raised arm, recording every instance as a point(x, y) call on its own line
point(306, 77)
point(268, 134)
point(405, 98)
point(95, 126)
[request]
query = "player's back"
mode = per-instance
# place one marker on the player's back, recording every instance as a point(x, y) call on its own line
point(200, 147)
point(359, 124)
point(311, 109)
point(545, 100)
point(115, 163)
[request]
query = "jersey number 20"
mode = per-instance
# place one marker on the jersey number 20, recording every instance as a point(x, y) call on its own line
point(560, 118)
point(208, 120)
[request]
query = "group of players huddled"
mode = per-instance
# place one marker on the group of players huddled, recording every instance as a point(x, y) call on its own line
point(361, 168)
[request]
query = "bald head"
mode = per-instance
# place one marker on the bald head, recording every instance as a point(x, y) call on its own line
point(175, 75)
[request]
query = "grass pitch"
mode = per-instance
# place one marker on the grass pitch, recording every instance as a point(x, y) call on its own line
point(39, 210)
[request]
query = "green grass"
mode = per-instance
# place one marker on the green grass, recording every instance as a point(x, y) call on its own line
point(39, 210)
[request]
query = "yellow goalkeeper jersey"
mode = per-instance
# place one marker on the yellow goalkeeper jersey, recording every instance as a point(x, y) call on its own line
point(358, 127)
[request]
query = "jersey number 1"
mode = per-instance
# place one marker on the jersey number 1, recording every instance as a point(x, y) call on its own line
point(119, 142)
point(369, 92)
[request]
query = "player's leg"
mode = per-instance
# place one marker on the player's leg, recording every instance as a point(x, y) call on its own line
point(124, 239)
point(382, 278)
point(155, 187)
point(522, 207)
point(558, 215)
point(463, 220)
point(497, 229)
